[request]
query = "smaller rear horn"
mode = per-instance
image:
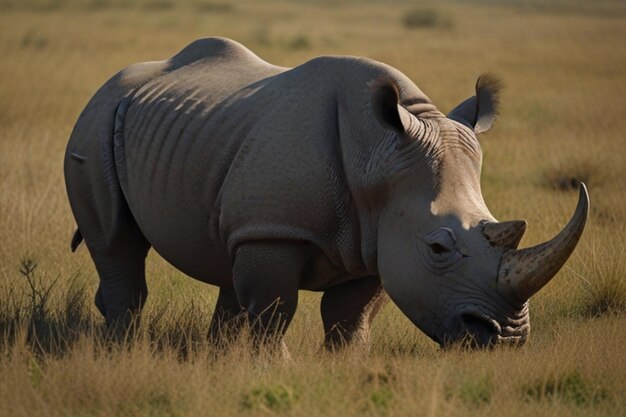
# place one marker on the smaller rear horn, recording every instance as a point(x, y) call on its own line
point(505, 235)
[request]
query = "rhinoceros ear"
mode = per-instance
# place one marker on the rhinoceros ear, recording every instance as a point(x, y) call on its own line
point(479, 112)
point(386, 109)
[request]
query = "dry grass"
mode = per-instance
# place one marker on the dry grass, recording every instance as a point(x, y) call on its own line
point(564, 65)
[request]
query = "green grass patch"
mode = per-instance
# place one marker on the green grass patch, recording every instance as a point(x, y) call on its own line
point(474, 391)
point(570, 387)
point(277, 397)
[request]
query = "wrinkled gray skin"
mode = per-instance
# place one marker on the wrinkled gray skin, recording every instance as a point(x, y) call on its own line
point(338, 175)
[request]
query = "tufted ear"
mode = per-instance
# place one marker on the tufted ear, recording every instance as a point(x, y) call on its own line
point(386, 109)
point(479, 112)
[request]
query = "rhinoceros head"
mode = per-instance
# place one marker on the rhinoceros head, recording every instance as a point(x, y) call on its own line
point(447, 263)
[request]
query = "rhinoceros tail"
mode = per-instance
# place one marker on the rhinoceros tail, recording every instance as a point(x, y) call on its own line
point(76, 239)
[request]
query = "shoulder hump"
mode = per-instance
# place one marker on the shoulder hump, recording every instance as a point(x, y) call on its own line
point(212, 48)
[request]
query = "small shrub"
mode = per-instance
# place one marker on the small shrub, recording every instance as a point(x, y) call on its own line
point(46, 5)
point(209, 6)
point(270, 398)
point(98, 4)
point(34, 41)
point(159, 5)
point(568, 176)
point(51, 319)
point(425, 18)
point(605, 284)
point(39, 293)
point(569, 387)
point(609, 296)
point(299, 42)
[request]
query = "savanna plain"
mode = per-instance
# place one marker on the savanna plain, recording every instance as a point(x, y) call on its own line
point(563, 120)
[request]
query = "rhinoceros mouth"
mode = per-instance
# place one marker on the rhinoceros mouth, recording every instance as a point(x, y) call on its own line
point(478, 330)
point(476, 319)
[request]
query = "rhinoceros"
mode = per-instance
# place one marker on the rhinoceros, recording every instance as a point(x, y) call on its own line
point(339, 175)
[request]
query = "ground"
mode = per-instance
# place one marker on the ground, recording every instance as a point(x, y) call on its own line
point(562, 121)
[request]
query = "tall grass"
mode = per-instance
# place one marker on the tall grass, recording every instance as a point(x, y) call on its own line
point(562, 121)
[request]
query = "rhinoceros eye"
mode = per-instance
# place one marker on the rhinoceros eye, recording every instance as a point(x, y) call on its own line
point(439, 251)
point(438, 248)
point(441, 245)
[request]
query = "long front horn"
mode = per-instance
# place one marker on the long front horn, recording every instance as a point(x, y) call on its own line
point(524, 272)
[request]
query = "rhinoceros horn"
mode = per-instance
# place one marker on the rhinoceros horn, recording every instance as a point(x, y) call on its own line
point(524, 272)
point(505, 235)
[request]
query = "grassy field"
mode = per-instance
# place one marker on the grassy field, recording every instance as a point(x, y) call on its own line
point(563, 119)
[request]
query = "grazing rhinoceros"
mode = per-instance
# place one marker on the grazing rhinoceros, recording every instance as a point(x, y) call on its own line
point(339, 175)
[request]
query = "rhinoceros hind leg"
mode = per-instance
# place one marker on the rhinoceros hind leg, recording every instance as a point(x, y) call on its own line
point(348, 310)
point(122, 291)
point(266, 280)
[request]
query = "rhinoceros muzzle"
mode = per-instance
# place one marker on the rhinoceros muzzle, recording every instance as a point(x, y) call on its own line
point(479, 328)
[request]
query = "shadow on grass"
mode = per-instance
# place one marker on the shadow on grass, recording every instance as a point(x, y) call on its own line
point(51, 320)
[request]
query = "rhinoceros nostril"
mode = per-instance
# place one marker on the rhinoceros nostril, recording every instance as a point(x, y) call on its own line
point(481, 330)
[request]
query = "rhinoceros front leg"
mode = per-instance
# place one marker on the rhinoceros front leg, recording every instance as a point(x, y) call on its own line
point(266, 277)
point(348, 310)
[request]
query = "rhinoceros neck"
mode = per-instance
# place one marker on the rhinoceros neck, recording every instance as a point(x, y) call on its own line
point(368, 150)
point(458, 180)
